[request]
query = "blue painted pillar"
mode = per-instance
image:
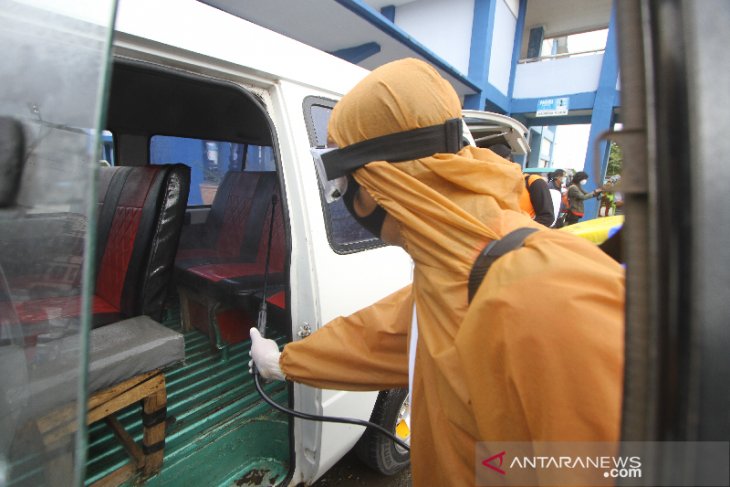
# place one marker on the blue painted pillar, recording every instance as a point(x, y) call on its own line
point(519, 28)
point(536, 139)
point(602, 117)
point(522, 13)
point(481, 51)
point(388, 12)
point(553, 130)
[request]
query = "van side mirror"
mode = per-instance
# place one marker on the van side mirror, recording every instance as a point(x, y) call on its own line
point(12, 148)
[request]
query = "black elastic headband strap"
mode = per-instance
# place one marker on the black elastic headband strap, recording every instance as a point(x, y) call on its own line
point(397, 147)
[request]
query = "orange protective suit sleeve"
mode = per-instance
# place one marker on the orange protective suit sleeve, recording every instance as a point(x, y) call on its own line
point(366, 351)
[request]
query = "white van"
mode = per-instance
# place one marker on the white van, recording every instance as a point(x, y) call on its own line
point(197, 89)
point(228, 112)
point(239, 106)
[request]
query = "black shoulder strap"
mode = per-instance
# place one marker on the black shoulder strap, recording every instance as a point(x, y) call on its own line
point(614, 246)
point(492, 252)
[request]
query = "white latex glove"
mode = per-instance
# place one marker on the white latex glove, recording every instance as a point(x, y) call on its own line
point(265, 354)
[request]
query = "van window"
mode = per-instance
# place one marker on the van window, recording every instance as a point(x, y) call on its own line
point(209, 161)
point(344, 233)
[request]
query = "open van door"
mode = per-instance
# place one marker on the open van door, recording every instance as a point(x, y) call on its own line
point(489, 128)
point(53, 74)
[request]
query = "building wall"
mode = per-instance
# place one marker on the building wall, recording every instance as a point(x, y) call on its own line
point(503, 41)
point(558, 76)
point(443, 27)
point(514, 6)
point(542, 145)
point(563, 17)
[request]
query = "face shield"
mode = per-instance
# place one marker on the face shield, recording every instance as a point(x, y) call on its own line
point(334, 165)
point(332, 189)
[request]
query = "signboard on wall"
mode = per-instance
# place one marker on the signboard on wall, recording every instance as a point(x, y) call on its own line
point(551, 107)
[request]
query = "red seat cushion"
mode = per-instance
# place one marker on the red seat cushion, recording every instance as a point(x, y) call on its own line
point(35, 311)
point(278, 299)
point(213, 271)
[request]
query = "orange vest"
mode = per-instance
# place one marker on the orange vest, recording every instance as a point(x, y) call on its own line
point(525, 203)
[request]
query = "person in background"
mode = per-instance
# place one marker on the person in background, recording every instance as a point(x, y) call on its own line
point(556, 182)
point(611, 200)
point(535, 199)
point(577, 195)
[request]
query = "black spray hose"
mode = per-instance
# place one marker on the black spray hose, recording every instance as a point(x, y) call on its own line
point(328, 419)
point(261, 325)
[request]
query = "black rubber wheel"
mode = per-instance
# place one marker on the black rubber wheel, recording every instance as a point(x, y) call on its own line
point(378, 451)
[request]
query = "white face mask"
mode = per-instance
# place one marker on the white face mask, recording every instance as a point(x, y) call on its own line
point(584, 182)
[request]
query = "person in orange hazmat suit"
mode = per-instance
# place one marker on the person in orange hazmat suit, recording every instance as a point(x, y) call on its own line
point(504, 367)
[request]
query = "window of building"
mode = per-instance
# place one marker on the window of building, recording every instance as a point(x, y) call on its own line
point(344, 233)
point(585, 43)
point(546, 149)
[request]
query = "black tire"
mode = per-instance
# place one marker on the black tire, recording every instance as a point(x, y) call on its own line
point(376, 450)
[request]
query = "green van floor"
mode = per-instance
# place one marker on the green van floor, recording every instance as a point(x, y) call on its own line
point(219, 431)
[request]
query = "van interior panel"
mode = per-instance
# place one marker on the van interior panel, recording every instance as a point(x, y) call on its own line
point(214, 413)
point(148, 100)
